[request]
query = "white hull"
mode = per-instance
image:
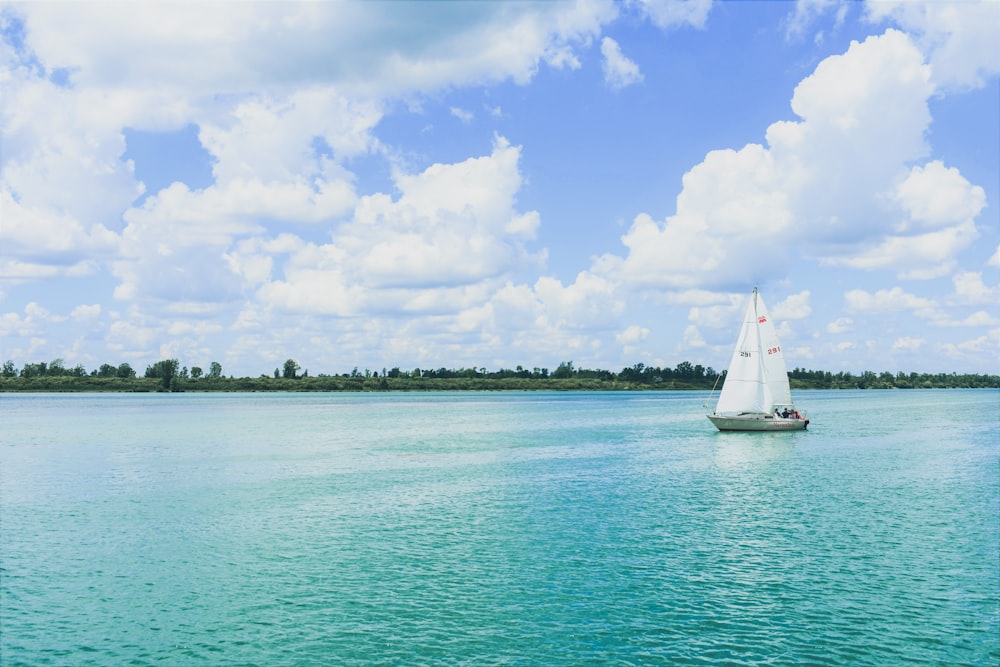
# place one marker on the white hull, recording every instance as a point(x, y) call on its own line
point(757, 422)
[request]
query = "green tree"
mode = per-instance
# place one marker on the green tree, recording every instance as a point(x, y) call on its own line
point(564, 370)
point(291, 368)
point(196, 372)
point(215, 370)
point(34, 370)
point(125, 371)
point(164, 370)
point(8, 370)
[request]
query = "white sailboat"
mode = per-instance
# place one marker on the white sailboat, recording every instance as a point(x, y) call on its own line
point(756, 395)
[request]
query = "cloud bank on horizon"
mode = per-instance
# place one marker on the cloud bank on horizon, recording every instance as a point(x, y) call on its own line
point(499, 184)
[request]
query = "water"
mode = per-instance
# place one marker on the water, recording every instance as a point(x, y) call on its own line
point(497, 529)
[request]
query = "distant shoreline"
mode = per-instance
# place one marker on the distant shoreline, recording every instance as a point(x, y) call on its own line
point(88, 384)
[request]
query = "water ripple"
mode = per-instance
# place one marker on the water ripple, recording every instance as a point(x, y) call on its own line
point(577, 529)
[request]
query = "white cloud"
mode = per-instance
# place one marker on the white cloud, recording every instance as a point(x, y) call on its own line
point(452, 227)
point(193, 328)
point(840, 325)
point(980, 319)
point(794, 307)
point(960, 38)
point(730, 203)
point(461, 114)
point(886, 301)
point(274, 139)
point(938, 208)
point(828, 186)
point(590, 301)
point(439, 261)
point(935, 197)
point(85, 312)
point(130, 338)
point(692, 337)
point(33, 323)
point(908, 343)
point(42, 235)
point(673, 13)
point(971, 290)
point(925, 256)
point(976, 347)
point(230, 47)
point(278, 129)
point(619, 71)
point(807, 11)
point(632, 334)
point(722, 316)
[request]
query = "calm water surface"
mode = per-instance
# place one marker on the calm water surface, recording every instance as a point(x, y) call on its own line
point(497, 529)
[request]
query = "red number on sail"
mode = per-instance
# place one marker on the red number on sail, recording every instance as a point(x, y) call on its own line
point(762, 319)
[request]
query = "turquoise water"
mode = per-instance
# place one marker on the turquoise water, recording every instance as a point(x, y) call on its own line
point(497, 529)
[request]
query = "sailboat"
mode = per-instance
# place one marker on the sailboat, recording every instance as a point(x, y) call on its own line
point(755, 395)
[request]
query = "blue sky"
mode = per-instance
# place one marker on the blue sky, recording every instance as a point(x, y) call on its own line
point(498, 184)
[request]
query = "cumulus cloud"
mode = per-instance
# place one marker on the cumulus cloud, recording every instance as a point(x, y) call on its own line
point(794, 307)
point(974, 347)
point(970, 289)
point(840, 325)
point(619, 71)
point(453, 226)
point(440, 260)
point(278, 130)
point(959, 38)
point(730, 204)
point(32, 323)
point(838, 185)
point(938, 208)
point(632, 334)
point(692, 337)
point(934, 196)
point(883, 301)
point(908, 343)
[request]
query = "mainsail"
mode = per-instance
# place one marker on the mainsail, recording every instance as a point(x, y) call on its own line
point(757, 380)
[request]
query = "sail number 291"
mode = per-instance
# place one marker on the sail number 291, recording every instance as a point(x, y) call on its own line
point(771, 350)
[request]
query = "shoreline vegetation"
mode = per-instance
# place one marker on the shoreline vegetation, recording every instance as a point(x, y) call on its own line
point(169, 376)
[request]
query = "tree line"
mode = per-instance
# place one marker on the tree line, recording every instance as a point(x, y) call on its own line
point(170, 375)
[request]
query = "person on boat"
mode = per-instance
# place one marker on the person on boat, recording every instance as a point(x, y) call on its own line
point(784, 413)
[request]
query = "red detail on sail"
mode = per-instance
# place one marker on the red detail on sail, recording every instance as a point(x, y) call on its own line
point(762, 319)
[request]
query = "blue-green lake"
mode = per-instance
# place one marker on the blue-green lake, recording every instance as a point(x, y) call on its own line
point(497, 529)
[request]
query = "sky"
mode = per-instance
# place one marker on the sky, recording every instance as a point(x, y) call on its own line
point(494, 184)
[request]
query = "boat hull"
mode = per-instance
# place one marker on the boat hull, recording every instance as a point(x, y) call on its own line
point(757, 422)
